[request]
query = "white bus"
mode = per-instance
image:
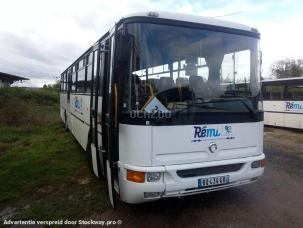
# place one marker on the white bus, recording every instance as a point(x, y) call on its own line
point(283, 102)
point(155, 105)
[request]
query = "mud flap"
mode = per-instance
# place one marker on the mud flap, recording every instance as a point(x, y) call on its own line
point(110, 182)
point(94, 159)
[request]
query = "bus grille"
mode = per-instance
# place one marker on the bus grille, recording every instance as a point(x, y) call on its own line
point(209, 170)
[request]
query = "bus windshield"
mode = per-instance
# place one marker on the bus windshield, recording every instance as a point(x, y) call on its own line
point(184, 69)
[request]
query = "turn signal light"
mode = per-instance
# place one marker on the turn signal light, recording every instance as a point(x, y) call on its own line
point(263, 163)
point(258, 164)
point(135, 176)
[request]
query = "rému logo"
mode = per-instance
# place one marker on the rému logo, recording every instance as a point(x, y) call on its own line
point(293, 106)
point(205, 133)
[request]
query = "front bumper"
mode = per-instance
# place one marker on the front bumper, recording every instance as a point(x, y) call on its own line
point(171, 185)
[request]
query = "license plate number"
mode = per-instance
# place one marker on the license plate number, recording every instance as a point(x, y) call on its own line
point(211, 181)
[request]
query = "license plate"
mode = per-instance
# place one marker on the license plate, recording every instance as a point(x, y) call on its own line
point(211, 181)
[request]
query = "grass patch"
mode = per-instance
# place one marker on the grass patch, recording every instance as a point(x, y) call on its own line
point(43, 170)
point(78, 200)
point(289, 140)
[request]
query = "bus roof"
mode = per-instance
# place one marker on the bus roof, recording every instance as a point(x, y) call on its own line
point(283, 79)
point(178, 17)
point(192, 18)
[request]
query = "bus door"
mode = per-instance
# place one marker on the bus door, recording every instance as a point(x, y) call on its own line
point(111, 125)
point(97, 155)
point(118, 68)
point(93, 150)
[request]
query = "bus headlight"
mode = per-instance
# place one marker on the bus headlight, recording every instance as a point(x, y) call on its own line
point(153, 177)
point(258, 164)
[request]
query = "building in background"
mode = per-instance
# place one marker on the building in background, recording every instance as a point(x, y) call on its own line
point(7, 79)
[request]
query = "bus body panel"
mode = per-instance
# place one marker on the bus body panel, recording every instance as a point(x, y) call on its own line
point(80, 135)
point(283, 102)
point(63, 104)
point(79, 106)
point(135, 145)
point(170, 145)
point(80, 114)
point(181, 144)
point(283, 113)
point(171, 185)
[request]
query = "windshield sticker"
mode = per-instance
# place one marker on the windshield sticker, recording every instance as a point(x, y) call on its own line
point(293, 106)
point(203, 133)
point(155, 106)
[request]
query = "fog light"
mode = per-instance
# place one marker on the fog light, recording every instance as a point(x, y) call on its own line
point(255, 164)
point(151, 194)
point(153, 177)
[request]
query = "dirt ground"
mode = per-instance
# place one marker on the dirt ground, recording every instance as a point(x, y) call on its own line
point(276, 200)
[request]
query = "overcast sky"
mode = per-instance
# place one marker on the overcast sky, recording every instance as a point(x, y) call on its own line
point(40, 38)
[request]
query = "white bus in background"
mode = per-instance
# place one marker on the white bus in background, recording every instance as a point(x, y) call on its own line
point(156, 105)
point(283, 102)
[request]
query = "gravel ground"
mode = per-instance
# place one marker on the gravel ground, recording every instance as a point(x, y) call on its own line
point(276, 200)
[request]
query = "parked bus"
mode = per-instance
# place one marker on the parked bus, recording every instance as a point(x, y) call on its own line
point(154, 103)
point(283, 102)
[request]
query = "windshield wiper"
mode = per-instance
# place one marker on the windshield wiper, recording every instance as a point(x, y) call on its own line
point(202, 105)
point(242, 100)
point(252, 111)
point(199, 105)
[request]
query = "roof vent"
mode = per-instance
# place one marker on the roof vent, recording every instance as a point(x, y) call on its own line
point(153, 14)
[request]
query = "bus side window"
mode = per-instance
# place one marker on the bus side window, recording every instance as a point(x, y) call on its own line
point(102, 73)
point(69, 79)
point(61, 83)
point(81, 81)
point(95, 71)
point(74, 76)
point(65, 81)
point(274, 92)
point(295, 92)
point(89, 72)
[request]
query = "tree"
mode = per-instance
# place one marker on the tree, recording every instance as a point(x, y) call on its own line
point(287, 68)
point(55, 86)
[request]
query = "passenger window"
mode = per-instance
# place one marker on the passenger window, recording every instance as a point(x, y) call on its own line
point(61, 83)
point(89, 77)
point(274, 92)
point(295, 92)
point(65, 81)
point(95, 71)
point(102, 73)
point(74, 78)
point(81, 81)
